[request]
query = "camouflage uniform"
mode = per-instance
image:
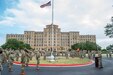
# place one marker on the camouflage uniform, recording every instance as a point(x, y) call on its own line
point(72, 53)
point(107, 54)
point(37, 54)
point(7, 54)
point(93, 54)
point(4, 57)
point(1, 60)
point(31, 55)
point(10, 61)
point(110, 54)
point(27, 56)
point(84, 53)
point(89, 55)
point(66, 55)
point(44, 58)
point(80, 54)
point(100, 59)
point(17, 55)
point(23, 60)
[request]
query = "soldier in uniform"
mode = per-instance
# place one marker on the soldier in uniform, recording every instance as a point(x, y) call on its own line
point(110, 54)
point(28, 56)
point(45, 54)
point(7, 53)
point(1, 68)
point(100, 59)
point(37, 55)
point(107, 54)
point(89, 54)
point(67, 55)
point(72, 53)
point(93, 54)
point(10, 61)
point(17, 55)
point(23, 60)
point(84, 53)
point(4, 57)
point(31, 54)
point(80, 54)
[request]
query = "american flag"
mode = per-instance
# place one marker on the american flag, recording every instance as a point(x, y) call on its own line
point(46, 4)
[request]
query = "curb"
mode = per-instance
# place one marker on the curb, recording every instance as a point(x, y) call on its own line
point(58, 65)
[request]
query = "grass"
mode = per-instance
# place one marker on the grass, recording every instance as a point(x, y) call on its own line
point(61, 60)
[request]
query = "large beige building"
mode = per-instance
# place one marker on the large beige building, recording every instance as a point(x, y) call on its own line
point(43, 40)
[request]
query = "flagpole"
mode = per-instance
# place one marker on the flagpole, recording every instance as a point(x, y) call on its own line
point(52, 10)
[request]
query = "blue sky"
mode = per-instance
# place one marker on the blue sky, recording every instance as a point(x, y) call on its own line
point(85, 16)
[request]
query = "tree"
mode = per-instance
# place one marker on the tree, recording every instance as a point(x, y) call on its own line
point(15, 44)
point(27, 46)
point(110, 47)
point(86, 46)
point(76, 46)
point(109, 29)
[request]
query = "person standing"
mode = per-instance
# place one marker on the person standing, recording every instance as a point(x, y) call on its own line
point(1, 68)
point(100, 59)
point(84, 53)
point(17, 55)
point(107, 54)
point(89, 54)
point(93, 54)
point(27, 56)
point(23, 60)
point(10, 61)
point(110, 54)
point(67, 54)
point(37, 55)
point(4, 57)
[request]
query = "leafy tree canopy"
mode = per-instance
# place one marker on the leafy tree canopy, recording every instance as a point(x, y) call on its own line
point(86, 46)
point(15, 44)
point(110, 47)
point(109, 29)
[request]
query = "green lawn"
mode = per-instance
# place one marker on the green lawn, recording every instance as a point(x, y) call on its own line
point(61, 60)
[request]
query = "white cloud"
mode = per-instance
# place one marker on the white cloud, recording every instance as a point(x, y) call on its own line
point(8, 21)
point(105, 42)
point(86, 16)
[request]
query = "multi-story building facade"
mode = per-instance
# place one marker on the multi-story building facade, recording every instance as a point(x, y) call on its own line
point(51, 38)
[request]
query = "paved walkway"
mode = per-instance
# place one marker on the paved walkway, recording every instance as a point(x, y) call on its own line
point(86, 70)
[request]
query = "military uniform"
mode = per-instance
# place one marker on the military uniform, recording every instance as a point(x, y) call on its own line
point(80, 54)
point(110, 54)
point(37, 54)
point(107, 54)
point(93, 54)
point(66, 55)
point(84, 53)
point(44, 56)
point(7, 54)
point(10, 61)
point(17, 55)
point(100, 59)
point(4, 57)
point(89, 54)
point(23, 60)
point(27, 56)
point(1, 68)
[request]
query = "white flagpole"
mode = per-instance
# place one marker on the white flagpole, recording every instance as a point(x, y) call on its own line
point(52, 4)
point(52, 11)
